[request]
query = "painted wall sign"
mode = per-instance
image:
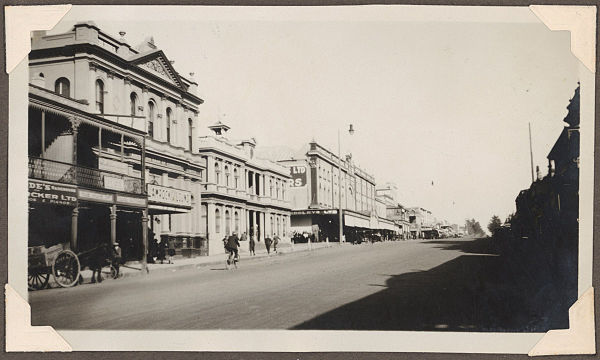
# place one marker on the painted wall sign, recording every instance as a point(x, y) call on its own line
point(113, 183)
point(298, 174)
point(96, 196)
point(54, 194)
point(166, 195)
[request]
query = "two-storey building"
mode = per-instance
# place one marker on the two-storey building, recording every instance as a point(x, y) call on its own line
point(242, 193)
point(130, 120)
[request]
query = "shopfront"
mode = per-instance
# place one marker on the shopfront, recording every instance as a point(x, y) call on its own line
point(163, 204)
point(82, 219)
point(51, 207)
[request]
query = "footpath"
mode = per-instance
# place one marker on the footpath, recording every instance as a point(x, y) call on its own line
point(180, 263)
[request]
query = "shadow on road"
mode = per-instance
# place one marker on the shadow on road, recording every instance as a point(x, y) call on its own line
point(483, 290)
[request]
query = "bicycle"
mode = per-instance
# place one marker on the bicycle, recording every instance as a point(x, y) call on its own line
point(232, 259)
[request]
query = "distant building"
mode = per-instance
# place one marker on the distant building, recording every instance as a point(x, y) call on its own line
point(315, 198)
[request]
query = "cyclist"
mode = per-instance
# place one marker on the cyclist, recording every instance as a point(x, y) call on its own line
point(232, 245)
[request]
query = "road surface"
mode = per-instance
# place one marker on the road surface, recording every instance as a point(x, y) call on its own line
point(454, 284)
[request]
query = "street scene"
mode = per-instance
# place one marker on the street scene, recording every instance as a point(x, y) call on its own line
point(412, 285)
point(225, 174)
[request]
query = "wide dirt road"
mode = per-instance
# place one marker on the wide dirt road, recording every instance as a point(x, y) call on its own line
point(454, 284)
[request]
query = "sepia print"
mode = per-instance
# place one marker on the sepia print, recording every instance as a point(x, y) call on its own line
point(198, 169)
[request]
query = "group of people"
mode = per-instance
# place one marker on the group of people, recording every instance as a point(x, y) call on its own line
point(232, 243)
point(160, 251)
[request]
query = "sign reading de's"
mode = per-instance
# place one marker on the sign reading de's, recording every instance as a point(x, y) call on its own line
point(54, 194)
point(298, 174)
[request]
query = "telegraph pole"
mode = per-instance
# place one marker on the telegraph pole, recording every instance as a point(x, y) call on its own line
point(531, 153)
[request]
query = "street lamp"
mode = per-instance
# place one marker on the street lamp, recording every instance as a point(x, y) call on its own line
point(340, 217)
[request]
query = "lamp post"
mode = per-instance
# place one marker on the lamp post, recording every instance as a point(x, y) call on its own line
point(340, 216)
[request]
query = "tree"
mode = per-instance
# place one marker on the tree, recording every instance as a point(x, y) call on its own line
point(474, 228)
point(495, 224)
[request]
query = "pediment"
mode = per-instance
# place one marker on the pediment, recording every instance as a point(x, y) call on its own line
point(158, 64)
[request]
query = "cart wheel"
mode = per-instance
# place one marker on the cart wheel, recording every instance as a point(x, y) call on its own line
point(37, 280)
point(66, 268)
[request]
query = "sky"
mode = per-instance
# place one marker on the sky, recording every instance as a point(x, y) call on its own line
point(440, 99)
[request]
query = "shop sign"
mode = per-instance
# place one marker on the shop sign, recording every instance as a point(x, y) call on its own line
point(130, 200)
point(298, 174)
point(96, 196)
point(314, 212)
point(166, 195)
point(54, 194)
point(113, 183)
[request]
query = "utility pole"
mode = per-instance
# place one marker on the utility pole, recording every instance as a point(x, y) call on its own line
point(531, 153)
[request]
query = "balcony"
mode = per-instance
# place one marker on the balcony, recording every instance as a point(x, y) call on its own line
point(43, 169)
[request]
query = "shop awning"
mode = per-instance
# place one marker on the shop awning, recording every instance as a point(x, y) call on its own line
point(356, 221)
point(154, 209)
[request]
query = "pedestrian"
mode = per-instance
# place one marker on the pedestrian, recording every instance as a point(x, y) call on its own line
point(162, 250)
point(171, 252)
point(275, 242)
point(268, 243)
point(252, 244)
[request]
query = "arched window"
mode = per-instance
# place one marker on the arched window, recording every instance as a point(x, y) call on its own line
point(61, 87)
point(169, 114)
point(237, 222)
point(226, 175)
point(217, 221)
point(271, 187)
point(151, 115)
point(133, 103)
point(236, 177)
point(100, 96)
point(272, 225)
point(227, 222)
point(278, 232)
point(190, 129)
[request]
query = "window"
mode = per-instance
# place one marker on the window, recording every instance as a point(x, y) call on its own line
point(151, 115)
point(226, 175)
point(237, 222)
point(100, 96)
point(133, 103)
point(204, 219)
point(270, 187)
point(169, 113)
point(227, 222)
point(217, 221)
point(61, 87)
point(278, 226)
point(190, 128)
point(236, 177)
point(217, 173)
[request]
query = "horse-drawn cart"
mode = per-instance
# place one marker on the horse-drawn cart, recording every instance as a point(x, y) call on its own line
point(65, 266)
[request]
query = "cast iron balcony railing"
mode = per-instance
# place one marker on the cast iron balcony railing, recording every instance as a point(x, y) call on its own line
point(44, 169)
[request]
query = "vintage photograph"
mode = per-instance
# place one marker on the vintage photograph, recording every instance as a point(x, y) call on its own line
point(198, 168)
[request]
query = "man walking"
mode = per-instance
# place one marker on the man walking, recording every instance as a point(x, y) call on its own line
point(251, 243)
point(268, 243)
point(275, 242)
